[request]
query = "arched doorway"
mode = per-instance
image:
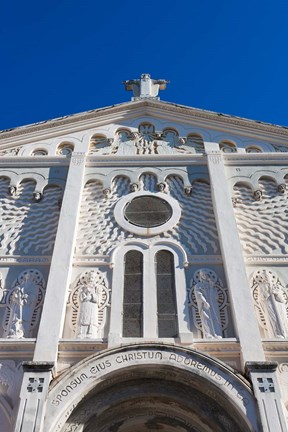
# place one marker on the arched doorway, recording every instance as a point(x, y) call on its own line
point(150, 387)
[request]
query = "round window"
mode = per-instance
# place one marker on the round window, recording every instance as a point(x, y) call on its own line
point(147, 211)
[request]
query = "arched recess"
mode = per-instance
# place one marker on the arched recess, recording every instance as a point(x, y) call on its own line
point(143, 387)
point(149, 289)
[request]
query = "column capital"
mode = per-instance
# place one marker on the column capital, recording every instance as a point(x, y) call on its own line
point(37, 366)
point(262, 366)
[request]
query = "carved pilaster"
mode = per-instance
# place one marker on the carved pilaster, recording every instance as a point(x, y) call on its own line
point(61, 264)
point(33, 395)
point(268, 396)
point(245, 322)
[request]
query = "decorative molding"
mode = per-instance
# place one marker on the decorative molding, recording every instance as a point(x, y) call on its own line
point(151, 107)
point(150, 160)
point(39, 162)
point(266, 260)
point(25, 260)
point(255, 159)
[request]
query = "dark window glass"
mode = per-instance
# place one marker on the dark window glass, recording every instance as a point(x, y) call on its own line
point(133, 295)
point(147, 211)
point(166, 300)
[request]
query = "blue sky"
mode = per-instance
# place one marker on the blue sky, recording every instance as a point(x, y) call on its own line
point(61, 57)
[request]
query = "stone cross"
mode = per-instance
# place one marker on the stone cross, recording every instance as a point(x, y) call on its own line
point(35, 385)
point(145, 87)
point(266, 385)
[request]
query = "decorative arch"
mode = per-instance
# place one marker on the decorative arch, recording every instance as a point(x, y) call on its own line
point(65, 148)
point(115, 384)
point(149, 278)
point(227, 146)
point(196, 141)
point(253, 149)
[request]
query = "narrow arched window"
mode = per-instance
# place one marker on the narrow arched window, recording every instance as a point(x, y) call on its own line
point(166, 298)
point(133, 295)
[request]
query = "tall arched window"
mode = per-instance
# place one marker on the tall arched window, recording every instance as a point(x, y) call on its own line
point(149, 294)
point(133, 295)
point(166, 298)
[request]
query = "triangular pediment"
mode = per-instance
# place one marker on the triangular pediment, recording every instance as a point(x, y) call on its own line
point(191, 126)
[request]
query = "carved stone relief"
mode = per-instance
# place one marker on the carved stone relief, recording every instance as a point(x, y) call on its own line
point(146, 141)
point(270, 299)
point(25, 228)
point(88, 302)
point(10, 380)
point(282, 373)
point(208, 298)
point(98, 231)
point(10, 152)
point(262, 220)
point(23, 305)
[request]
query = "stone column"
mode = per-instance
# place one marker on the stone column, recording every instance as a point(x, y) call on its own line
point(150, 324)
point(268, 396)
point(245, 321)
point(53, 314)
point(33, 395)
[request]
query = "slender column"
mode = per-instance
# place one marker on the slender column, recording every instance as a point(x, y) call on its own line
point(53, 314)
point(33, 395)
point(268, 396)
point(245, 321)
point(185, 334)
point(116, 318)
point(150, 295)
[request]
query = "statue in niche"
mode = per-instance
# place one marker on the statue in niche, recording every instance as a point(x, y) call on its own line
point(89, 301)
point(209, 301)
point(272, 301)
point(23, 305)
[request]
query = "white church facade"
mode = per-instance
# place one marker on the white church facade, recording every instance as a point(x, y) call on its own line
point(144, 271)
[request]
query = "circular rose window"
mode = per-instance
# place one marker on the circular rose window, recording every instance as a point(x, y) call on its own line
point(147, 213)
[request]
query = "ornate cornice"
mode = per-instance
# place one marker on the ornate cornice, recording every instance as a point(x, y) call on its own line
point(145, 107)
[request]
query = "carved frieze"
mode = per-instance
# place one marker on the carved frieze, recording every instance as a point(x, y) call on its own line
point(146, 141)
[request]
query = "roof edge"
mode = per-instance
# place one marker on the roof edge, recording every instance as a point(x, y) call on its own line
point(166, 106)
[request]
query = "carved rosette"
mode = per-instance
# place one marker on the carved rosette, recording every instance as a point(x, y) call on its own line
point(215, 297)
point(104, 298)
